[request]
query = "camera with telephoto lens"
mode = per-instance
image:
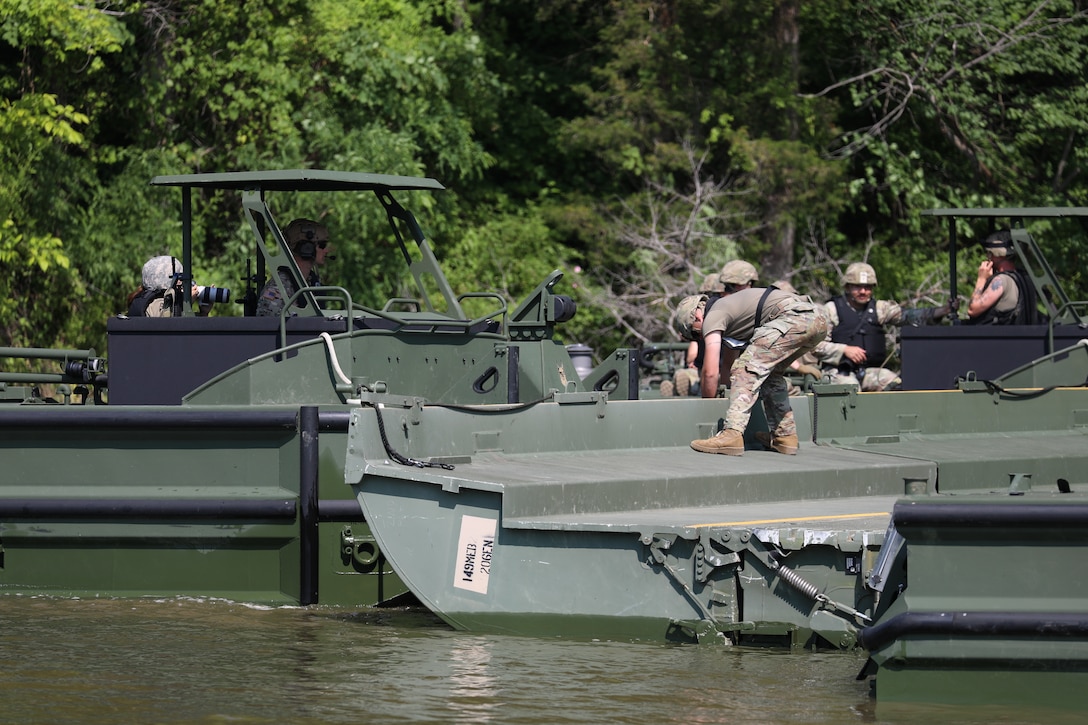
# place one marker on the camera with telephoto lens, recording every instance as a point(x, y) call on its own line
point(212, 295)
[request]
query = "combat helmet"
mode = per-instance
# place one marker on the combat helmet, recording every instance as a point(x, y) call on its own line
point(685, 315)
point(304, 236)
point(785, 286)
point(712, 284)
point(859, 273)
point(738, 272)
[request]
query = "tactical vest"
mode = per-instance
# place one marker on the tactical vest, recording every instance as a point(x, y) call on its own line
point(860, 329)
point(1026, 311)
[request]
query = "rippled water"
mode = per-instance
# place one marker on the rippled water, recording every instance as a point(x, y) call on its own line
point(181, 661)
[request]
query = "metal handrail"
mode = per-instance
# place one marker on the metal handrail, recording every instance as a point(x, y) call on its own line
point(313, 292)
point(45, 353)
point(1071, 305)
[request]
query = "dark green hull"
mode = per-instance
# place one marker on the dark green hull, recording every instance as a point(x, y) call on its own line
point(353, 456)
point(246, 504)
point(590, 518)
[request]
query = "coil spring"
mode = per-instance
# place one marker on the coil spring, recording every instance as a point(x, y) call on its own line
point(798, 582)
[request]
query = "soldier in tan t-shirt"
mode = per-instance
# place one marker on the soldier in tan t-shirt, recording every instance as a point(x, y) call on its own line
point(779, 327)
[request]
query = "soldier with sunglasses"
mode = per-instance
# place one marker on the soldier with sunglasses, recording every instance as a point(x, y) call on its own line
point(309, 244)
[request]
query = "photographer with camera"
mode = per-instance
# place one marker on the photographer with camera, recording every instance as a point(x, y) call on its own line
point(158, 294)
point(309, 244)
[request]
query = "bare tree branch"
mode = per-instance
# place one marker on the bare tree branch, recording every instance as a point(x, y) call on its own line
point(674, 239)
point(924, 76)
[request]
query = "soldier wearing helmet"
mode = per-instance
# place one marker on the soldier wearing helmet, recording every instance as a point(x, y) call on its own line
point(857, 348)
point(738, 274)
point(779, 327)
point(1002, 295)
point(735, 275)
point(685, 380)
point(308, 242)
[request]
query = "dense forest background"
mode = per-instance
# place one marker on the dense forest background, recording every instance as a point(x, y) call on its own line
point(633, 144)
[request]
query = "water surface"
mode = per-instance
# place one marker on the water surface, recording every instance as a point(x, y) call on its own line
point(200, 661)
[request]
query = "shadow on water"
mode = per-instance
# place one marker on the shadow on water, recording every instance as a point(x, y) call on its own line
point(195, 661)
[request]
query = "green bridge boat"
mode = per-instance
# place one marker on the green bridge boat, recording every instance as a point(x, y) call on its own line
point(355, 456)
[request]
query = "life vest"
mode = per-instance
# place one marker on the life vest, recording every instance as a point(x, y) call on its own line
point(860, 329)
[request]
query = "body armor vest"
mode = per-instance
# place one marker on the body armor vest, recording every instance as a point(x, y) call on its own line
point(861, 329)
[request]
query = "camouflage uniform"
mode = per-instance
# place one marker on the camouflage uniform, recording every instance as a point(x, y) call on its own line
point(869, 378)
point(685, 380)
point(791, 328)
point(271, 301)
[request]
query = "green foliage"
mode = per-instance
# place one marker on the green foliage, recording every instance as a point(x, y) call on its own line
point(509, 253)
point(37, 129)
point(966, 103)
point(572, 134)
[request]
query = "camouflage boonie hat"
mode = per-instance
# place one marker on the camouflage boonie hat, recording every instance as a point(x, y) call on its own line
point(999, 243)
point(685, 314)
point(158, 272)
point(712, 284)
point(738, 272)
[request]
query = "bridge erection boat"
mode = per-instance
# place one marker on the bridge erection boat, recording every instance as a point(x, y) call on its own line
point(941, 530)
point(204, 456)
point(349, 455)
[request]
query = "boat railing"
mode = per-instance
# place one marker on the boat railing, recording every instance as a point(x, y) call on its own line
point(1072, 305)
point(79, 368)
point(418, 322)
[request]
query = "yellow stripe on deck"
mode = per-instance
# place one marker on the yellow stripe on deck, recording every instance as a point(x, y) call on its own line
point(793, 519)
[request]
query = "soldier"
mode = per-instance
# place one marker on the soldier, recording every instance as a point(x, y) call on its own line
point(738, 274)
point(309, 244)
point(857, 348)
point(735, 275)
point(1003, 295)
point(685, 380)
point(780, 327)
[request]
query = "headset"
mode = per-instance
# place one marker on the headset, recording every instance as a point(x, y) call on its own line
point(307, 245)
point(307, 249)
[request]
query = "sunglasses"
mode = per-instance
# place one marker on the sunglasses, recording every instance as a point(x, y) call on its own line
point(322, 245)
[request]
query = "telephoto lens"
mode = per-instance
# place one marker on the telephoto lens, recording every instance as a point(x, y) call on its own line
point(213, 295)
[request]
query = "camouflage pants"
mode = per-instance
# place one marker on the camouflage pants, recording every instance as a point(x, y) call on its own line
point(759, 371)
point(683, 379)
point(874, 380)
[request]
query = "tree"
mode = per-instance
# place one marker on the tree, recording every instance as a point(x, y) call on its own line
point(48, 92)
point(687, 233)
point(964, 103)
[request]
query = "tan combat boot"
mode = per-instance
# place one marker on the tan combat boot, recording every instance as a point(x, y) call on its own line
point(666, 389)
point(729, 442)
point(782, 444)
